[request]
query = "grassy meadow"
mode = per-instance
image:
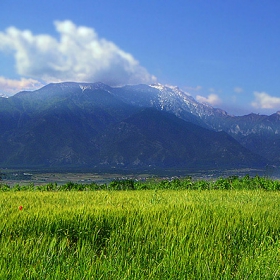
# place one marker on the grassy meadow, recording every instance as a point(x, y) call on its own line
point(140, 234)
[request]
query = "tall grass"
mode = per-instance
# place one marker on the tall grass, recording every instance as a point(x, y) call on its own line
point(148, 234)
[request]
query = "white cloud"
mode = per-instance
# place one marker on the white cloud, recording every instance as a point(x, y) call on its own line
point(265, 101)
point(10, 87)
point(212, 99)
point(79, 55)
point(238, 90)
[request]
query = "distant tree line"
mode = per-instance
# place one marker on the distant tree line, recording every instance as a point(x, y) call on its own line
point(187, 183)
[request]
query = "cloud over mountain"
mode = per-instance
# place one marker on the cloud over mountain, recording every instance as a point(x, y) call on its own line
point(10, 86)
point(265, 101)
point(212, 99)
point(78, 55)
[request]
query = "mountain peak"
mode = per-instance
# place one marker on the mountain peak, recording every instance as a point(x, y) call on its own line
point(157, 86)
point(162, 87)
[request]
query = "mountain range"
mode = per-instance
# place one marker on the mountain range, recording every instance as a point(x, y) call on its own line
point(133, 127)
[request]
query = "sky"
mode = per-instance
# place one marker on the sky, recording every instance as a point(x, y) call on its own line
point(222, 52)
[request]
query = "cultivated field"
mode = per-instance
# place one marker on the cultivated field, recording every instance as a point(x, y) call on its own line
point(140, 234)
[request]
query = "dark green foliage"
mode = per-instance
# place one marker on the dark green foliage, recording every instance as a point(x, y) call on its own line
point(122, 185)
point(229, 183)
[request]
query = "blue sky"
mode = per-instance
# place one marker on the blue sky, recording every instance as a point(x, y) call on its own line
point(225, 53)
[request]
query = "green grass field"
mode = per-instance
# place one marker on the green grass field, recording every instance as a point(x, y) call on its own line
point(141, 234)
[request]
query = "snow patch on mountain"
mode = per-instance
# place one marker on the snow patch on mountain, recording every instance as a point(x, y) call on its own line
point(84, 87)
point(172, 98)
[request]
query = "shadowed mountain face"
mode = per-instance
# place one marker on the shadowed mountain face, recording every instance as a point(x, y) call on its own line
point(160, 139)
point(133, 127)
